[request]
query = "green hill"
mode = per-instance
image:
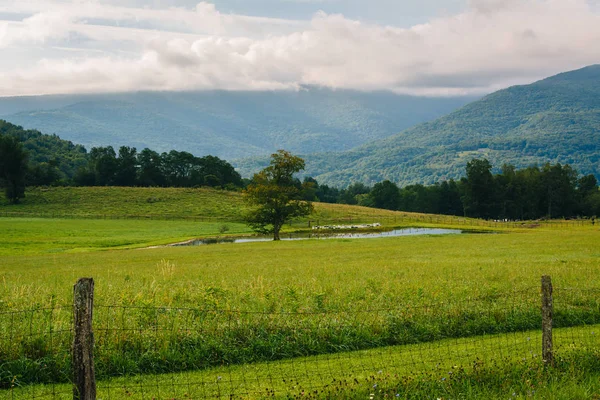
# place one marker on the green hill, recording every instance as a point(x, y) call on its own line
point(48, 152)
point(228, 124)
point(553, 120)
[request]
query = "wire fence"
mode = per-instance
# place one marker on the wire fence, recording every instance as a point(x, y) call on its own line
point(193, 353)
point(329, 218)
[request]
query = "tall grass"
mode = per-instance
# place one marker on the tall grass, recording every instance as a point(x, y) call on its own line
point(494, 366)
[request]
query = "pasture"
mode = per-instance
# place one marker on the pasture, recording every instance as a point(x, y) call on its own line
point(253, 303)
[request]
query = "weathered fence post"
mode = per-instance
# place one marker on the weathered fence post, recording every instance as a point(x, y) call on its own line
point(84, 378)
point(547, 311)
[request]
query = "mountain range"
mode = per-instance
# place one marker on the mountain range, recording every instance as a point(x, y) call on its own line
point(229, 125)
point(344, 136)
point(554, 120)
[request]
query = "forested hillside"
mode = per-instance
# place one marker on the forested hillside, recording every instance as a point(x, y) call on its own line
point(50, 158)
point(52, 161)
point(228, 124)
point(555, 120)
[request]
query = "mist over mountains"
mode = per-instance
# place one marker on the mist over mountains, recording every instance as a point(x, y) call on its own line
point(229, 125)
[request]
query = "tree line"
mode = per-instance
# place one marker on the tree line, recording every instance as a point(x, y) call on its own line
point(31, 158)
point(106, 167)
point(552, 191)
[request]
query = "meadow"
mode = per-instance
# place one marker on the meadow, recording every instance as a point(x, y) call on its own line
point(180, 309)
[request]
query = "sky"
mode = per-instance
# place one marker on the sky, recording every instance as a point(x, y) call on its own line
point(419, 47)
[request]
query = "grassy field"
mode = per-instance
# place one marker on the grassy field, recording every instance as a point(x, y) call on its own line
point(26, 236)
point(174, 309)
point(56, 220)
point(197, 205)
point(343, 273)
point(121, 201)
point(495, 366)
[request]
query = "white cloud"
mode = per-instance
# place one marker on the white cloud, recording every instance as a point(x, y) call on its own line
point(204, 18)
point(490, 45)
point(37, 29)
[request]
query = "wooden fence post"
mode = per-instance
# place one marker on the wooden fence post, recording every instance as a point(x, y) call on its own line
point(547, 311)
point(84, 378)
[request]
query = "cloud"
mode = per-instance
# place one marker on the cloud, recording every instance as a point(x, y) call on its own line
point(490, 45)
point(490, 6)
point(204, 18)
point(37, 29)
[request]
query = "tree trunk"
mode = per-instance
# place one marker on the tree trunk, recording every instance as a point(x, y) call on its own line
point(276, 229)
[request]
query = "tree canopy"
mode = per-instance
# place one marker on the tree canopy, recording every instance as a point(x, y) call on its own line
point(552, 191)
point(276, 195)
point(13, 167)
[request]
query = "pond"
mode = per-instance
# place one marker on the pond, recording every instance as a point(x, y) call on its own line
point(324, 236)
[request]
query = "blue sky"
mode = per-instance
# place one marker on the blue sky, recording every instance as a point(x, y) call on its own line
point(403, 13)
point(420, 47)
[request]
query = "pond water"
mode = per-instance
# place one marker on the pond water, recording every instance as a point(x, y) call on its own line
point(323, 236)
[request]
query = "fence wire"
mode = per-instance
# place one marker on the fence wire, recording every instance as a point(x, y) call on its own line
point(326, 218)
point(189, 353)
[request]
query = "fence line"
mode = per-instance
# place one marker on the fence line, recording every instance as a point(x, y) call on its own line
point(402, 218)
point(170, 352)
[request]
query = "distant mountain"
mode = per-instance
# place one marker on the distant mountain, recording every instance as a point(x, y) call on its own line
point(227, 124)
point(553, 120)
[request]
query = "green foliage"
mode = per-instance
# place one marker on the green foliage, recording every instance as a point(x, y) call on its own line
point(148, 168)
point(276, 195)
point(552, 191)
point(385, 195)
point(51, 160)
point(13, 168)
point(479, 189)
point(54, 161)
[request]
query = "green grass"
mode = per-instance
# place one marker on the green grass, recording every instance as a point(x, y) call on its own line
point(203, 205)
point(419, 289)
point(344, 273)
point(26, 236)
point(118, 202)
point(180, 309)
point(494, 366)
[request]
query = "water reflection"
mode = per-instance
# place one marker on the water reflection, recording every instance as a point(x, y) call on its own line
point(324, 236)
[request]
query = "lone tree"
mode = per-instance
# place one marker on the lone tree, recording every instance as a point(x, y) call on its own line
point(276, 196)
point(13, 168)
